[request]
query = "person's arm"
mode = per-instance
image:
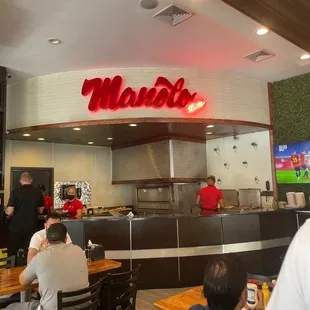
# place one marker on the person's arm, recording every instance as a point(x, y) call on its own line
point(11, 205)
point(34, 247)
point(31, 254)
point(221, 200)
point(29, 274)
point(79, 210)
point(292, 288)
point(78, 214)
point(198, 200)
point(9, 210)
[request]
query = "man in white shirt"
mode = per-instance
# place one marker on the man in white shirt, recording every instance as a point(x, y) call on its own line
point(293, 284)
point(38, 241)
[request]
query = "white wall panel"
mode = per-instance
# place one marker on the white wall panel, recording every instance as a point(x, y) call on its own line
point(237, 176)
point(70, 163)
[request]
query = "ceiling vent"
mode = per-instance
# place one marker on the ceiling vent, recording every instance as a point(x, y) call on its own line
point(259, 56)
point(172, 15)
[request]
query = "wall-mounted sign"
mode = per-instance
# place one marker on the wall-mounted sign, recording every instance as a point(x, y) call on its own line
point(107, 94)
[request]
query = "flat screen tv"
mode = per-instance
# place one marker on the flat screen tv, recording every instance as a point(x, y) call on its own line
point(292, 162)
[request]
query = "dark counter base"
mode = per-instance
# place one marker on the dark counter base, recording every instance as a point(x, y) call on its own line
point(173, 250)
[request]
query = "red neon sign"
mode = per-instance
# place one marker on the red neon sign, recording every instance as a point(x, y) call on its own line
point(106, 95)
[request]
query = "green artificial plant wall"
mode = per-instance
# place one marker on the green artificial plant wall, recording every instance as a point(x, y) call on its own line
point(291, 119)
point(291, 109)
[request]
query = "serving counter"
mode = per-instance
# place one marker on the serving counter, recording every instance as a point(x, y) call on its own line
point(173, 249)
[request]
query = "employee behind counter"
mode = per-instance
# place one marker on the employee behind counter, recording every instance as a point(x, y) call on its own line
point(209, 197)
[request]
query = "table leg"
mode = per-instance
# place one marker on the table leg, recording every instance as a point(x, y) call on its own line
point(25, 296)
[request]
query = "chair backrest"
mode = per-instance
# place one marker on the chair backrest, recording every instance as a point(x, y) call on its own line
point(7, 262)
point(122, 289)
point(85, 299)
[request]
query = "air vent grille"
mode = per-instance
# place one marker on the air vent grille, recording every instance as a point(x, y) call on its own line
point(172, 15)
point(259, 56)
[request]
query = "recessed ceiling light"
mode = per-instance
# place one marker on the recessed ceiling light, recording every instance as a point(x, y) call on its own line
point(210, 126)
point(26, 134)
point(77, 129)
point(54, 41)
point(209, 133)
point(262, 31)
point(133, 125)
point(149, 4)
point(305, 56)
point(41, 139)
point(90, 142)
point(109, 139)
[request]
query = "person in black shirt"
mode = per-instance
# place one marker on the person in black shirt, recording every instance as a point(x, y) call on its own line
point(23, 207)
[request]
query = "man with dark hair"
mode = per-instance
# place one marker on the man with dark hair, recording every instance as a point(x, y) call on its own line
point(38, 241)
point(60, 266)
point(24, 205)
point(224, 284)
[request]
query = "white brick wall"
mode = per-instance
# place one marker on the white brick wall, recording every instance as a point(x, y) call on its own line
point(70, 163)
point(237, 176)
point(57, 98)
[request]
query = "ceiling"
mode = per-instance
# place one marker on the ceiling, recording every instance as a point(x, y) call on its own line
point(119, 33)
point(124, 135)
point(289, 19)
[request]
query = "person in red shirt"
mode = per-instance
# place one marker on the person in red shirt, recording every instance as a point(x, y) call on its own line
point(303, 164)
point(73, 206)
point(48, 201)
point(296, 164)
point(209, 197)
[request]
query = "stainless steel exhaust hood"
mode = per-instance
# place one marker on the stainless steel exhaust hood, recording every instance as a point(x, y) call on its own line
point(168, 161)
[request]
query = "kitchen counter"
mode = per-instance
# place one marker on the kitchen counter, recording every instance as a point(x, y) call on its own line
point(179, 245)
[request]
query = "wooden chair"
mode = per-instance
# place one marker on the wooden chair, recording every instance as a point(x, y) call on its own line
point(7, 262)
point(85, 299)
point(120, 290)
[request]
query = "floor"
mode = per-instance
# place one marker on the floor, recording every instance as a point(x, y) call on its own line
point(146, 298)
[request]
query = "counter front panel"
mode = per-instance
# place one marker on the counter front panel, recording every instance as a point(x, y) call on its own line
point(173, 251)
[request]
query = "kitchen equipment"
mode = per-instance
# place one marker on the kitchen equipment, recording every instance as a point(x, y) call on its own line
point(291, 198)
point(167, 198)
point(250, 197)
point(300, 199)
point(230, 198)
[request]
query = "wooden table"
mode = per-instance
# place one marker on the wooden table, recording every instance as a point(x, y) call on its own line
point(183, 300)
point(9, 278)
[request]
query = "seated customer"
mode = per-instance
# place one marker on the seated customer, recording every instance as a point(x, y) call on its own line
point(38, 241)
point(224, 284)
point(59, 267)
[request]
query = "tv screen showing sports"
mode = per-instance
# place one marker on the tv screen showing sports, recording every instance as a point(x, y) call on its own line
point(292, 162)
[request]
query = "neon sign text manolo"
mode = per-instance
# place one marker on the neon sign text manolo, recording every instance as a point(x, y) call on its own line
point(106, 95)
